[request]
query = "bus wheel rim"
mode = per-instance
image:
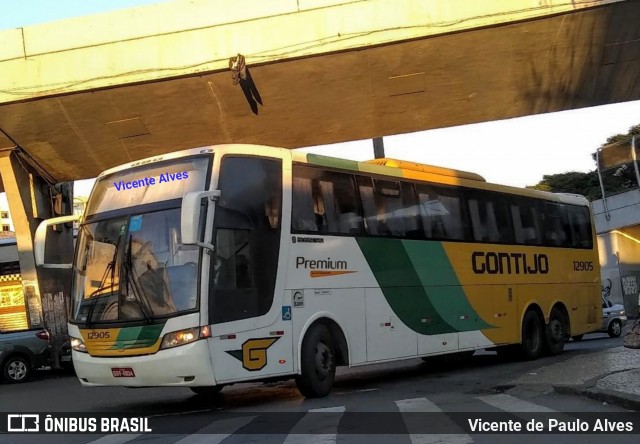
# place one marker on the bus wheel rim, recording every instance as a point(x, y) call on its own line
point(323, 360)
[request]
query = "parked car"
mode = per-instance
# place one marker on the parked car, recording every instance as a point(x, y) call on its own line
point(613, 319)
point(21, 352)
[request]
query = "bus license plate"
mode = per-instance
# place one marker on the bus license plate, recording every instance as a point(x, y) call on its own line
point(123, 372)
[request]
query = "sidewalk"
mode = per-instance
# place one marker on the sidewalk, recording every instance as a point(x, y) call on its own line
point(611, 375)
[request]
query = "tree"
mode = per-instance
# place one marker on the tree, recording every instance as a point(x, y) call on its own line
point(573, 182)
point(633, 131)
point(576, 182)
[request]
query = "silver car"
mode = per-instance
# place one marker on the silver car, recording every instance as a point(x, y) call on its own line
point(21, 352)
point(613, 318)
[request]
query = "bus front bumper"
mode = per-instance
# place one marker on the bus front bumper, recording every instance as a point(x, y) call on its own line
point(185, 366)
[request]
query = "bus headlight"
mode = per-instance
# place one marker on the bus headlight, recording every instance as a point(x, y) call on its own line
point(180, 337)
point(77, 344)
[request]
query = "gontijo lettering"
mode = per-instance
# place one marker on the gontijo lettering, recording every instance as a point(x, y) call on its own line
point(509, 263)
point(150, 181)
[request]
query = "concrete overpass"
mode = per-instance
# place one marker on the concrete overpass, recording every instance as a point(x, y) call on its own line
point(83, 95)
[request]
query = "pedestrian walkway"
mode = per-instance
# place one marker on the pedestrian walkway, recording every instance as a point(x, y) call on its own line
point(422, 421)
point(611, 375)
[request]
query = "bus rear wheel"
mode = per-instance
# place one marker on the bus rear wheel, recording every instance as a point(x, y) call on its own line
point(532, 336)
point(318, 363)
point(556, 332)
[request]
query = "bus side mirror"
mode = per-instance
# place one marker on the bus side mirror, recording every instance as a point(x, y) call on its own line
point(190, 217)
point(40, 240)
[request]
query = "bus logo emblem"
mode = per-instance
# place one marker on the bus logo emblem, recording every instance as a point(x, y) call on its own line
point(253, 354)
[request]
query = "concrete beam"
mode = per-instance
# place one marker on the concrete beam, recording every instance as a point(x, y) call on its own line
point(92, 93)
point(188, 37)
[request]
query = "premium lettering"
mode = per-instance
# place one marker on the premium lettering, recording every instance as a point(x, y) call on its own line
point(312, 264)
point(509, 263)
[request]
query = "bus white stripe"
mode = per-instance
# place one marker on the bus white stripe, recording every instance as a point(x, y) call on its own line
point(316, 429)
point(417, 405)
point(217, 431)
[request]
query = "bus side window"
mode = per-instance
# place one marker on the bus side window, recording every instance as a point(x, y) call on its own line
point(441, 213)
point(526, 222)
point(303, 214)
point(410, 212)
point(555, 225)
point(489, 216)
point(247, 238)
point(365, 187)
point(580, 226)
point(339, 202)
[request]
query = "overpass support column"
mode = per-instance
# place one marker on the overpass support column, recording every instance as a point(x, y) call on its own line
point(378, 148)
point(32, 199)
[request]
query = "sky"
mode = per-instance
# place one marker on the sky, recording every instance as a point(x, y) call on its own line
point(515, 152)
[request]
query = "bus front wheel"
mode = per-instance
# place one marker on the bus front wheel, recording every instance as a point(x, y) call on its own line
point(318, 363)
point(532, 336)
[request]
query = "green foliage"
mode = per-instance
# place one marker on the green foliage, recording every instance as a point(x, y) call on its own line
point(576, 182)
point(633, 131)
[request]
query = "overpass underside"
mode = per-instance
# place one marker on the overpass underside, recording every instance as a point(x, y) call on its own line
point(576, 59)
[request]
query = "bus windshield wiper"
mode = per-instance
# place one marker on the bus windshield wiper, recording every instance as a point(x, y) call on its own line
point(109, 270)
point(131, 280)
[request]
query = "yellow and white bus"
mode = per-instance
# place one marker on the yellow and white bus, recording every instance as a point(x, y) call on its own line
point(237, 263)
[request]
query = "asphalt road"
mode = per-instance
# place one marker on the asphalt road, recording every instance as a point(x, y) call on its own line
point(368, 404)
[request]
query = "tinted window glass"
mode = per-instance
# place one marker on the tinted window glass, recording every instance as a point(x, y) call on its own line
point(441, 212)
point(527, 223)
point(580, 226)
point(247, 236)
point(489, 218)
point(557, 232)
point(325, 202)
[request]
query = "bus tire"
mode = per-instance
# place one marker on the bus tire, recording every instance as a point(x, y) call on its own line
point(318, 363)
point(210, 390)
point(532, 336)
point(555, 333)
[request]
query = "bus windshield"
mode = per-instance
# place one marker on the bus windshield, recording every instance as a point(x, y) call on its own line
point(134, 268)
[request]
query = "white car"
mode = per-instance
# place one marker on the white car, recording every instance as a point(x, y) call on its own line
point(613, 319)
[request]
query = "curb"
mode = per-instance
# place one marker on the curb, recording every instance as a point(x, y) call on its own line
point(625, 400)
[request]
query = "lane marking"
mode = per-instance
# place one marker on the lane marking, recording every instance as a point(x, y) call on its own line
point(317, 429)
point(414, 423)
point(510, 403)
point(217, 431)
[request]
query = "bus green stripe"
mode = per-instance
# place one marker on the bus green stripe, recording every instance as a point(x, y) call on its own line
point(434, 269)
point(401, 286)
point(138, 337)
point(332, 162)
point(420, 285)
